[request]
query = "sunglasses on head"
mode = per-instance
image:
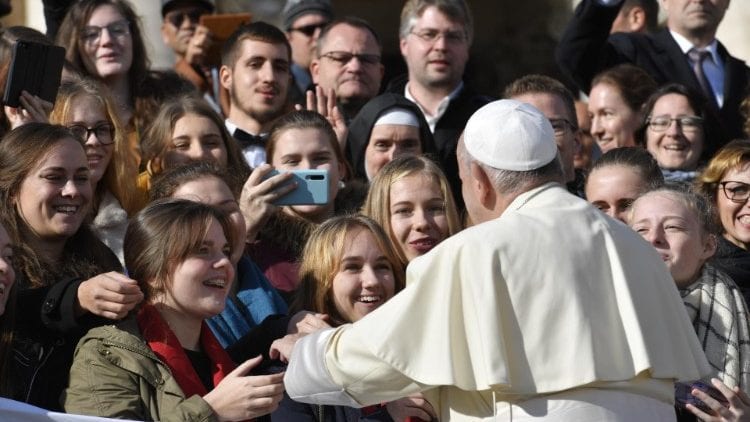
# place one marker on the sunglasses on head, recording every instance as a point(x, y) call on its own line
point(309, 30)
point(178, 17)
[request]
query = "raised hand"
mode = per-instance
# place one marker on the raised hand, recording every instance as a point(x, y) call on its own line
point(32, 109)
point(325, 104)
point(256, 199)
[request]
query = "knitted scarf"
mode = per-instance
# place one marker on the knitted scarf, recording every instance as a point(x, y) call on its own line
point(163, 342)
point(719, 315)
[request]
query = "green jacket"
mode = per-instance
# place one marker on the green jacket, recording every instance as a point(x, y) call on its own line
point(116, 375)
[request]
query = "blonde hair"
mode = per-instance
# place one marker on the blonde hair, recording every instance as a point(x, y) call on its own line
point(321, 260)
point(378, 202)
point(731, 156)
point(119, 177)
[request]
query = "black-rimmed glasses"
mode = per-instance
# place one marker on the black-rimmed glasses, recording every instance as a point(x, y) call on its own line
point(735, 191)
point(104, 132)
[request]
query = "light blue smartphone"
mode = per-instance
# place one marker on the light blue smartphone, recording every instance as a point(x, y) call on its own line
point(312, 188)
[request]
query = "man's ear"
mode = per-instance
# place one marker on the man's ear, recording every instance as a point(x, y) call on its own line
point(225, 77)
point(637, 19)
point(315, 70)
point(482, 186)
point(709, 246)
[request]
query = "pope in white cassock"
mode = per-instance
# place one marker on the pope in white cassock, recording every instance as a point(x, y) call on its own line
point(545, 309)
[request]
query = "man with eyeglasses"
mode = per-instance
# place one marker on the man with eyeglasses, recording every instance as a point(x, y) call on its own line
point(190, 41)
point(303, 20)
point(435, 36)
point(348, 62)
point(554, 101)
point(685, 52)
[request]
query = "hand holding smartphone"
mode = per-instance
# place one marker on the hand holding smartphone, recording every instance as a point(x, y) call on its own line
point(312, 188)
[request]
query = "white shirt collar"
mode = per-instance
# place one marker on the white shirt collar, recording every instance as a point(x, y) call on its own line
point(686, 45)
point(442, 107)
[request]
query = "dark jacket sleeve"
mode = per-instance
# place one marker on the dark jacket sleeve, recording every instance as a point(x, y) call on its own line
point(585, 48)
point(53, 308)
point(258, 340)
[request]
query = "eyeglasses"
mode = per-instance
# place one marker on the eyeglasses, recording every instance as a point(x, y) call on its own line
point(177, 18)
point(104, 132)
point(92, 33)
point(736, 191)
point(432, 35)
point(560, 126)
point(309, 30)
point(344, 57)
point(687, 123)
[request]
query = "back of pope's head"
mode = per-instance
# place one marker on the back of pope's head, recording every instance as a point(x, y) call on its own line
point(510, 135)
point(509, 147)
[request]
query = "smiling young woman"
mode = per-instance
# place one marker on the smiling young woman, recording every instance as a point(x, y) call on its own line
point(349, 269)
point(68, 279)
point(165, 364)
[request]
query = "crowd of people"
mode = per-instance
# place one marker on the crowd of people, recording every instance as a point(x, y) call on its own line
point(550, 252)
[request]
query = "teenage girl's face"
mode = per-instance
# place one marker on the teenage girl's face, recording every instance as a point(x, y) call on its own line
point(418, 216)
point(200, 284)
point(365, 278)
point(613, 189)
point(88, 112)
point(214, 191)
point(675, 232)
point(195, 138)
point(306, 149)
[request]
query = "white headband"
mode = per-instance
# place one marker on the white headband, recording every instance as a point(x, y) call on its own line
point(397, 116)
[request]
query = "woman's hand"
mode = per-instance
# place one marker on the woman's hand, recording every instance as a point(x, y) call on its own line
point(258, 195)
point(325, 104)
point(240, 397)
point(414, 406)
point(110, 295)
point(739, 404)
point(307, 322)
point(32, 109)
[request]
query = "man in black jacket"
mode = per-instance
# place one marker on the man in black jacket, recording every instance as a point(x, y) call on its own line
point(435, 36)
point(586, 48)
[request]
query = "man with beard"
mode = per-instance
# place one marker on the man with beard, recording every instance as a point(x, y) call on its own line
point(348, 62)
point(255, 70)
point(685, 52)
point(435, 36)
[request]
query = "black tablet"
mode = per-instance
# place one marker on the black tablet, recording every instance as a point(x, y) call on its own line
point(35, 68)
